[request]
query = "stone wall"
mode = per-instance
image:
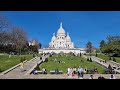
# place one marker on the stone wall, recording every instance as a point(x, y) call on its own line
point(76, 51)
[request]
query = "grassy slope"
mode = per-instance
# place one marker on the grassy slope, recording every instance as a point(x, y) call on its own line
point(51, 65)
point(6, 62)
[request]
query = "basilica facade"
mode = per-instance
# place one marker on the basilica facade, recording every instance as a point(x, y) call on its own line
point(61, 40)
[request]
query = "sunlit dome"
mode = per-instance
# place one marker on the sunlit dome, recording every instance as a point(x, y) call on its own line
point(61, 30)
point(68, 37)
point(53, 38)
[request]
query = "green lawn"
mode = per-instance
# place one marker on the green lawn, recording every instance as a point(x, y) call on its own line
point(105, 57)
point(52, 65)
point(6, 62)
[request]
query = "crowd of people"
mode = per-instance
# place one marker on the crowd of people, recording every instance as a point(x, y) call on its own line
point(80, 73)
point(72, 71)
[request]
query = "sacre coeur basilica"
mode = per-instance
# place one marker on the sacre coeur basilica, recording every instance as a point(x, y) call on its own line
point(61, 42)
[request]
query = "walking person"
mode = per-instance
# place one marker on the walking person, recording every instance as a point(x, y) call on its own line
point(79, 72)
point(22, 66)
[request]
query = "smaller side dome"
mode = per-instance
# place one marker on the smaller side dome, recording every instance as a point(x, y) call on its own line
point(68, 37)
point(53, 38)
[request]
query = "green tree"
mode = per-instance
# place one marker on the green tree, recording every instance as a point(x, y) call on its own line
point(102, 44)
point(112, 47)
point(110, 68)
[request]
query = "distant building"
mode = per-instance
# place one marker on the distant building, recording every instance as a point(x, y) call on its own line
point(34, 42)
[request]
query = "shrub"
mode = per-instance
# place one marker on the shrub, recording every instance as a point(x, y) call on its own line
point(33, 55)
point(21, 59)
point(96, 55)
point(46, 60)
point(50, 55)
point(87, 59)
point(24, 59)
point(114, 59)
point(0, 70)
point(110, 58)
point(90, 60)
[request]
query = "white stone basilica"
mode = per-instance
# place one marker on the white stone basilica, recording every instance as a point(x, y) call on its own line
point(61, 40)
point(61, 43)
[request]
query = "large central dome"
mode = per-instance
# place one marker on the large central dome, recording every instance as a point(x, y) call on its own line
point(61, 30)
point(61, 40)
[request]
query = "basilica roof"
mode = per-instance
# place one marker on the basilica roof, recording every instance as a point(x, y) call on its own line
point(61, 30)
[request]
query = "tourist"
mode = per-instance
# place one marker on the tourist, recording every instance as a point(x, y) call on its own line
point(78, 72)
point(74, 70)
point(68, 71)
point(43, 71)
point(73, 73)
point(101, 77)
point(22, 66)
point(112, 77)
point(95, 70)
point(56, 71)
point(34, 71)
point(91, 77)
point(85, 70)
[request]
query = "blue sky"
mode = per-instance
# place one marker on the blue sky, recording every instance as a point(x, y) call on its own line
point(83, 26)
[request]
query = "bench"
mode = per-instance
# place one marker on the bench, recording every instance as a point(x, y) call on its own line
point(60, 71)
point(54, 72)
point(37, 72)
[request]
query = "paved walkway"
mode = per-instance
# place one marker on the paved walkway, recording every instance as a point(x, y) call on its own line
point(53, 76)
point(101, 62)
point(28, 67)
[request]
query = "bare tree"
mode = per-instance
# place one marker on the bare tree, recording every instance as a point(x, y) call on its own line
point(18, 38)
point(89, 47)
point(4, 25)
